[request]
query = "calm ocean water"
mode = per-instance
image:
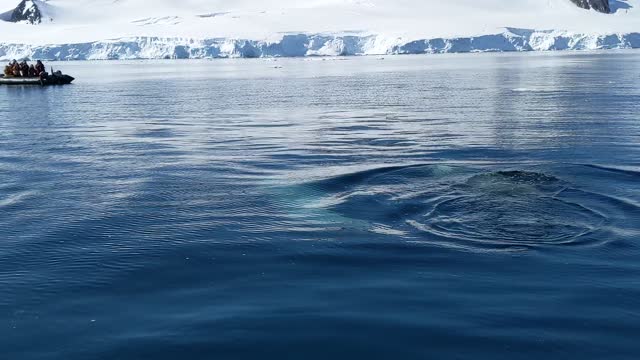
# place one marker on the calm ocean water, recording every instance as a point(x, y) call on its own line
point(479, 206)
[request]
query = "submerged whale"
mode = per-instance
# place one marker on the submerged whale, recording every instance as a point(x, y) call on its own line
point(476, 209)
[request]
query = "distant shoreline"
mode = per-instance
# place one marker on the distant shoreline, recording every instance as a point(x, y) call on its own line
point(317, 45)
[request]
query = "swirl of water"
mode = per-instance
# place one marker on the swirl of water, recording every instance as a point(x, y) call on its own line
point(468, 208)
point(511, 208)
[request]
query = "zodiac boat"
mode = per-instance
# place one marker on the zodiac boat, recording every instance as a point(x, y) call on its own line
point(56, 78)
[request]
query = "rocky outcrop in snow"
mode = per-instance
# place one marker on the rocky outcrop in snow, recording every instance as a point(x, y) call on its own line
point(27, 11)
point(300, 45)
point(598, 5)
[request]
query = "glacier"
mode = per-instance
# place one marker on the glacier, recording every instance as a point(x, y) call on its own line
point(201, 29)
point(301, 45)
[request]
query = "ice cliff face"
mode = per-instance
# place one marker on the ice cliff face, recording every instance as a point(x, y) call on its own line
point(598, 5)
point(300, 45)
point(27, 11)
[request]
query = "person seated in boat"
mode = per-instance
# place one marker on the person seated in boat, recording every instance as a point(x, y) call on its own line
point(15, 68)
point(8, 71)
point(32, 71)
point(24, 69)
point(40, 69)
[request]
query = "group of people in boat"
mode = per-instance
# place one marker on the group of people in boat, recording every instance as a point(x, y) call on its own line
point(23, 69)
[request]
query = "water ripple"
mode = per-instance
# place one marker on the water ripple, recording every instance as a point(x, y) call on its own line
point(467, 208)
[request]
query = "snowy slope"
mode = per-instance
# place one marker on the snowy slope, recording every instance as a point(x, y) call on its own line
point(208, 28)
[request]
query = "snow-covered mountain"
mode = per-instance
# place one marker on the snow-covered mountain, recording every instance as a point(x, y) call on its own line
point(112, 29)
point(27, 12)
point(598, 5)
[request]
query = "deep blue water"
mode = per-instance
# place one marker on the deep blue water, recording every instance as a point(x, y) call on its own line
point(431, 207)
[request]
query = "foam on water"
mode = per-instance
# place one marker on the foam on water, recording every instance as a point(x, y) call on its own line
point(15, 199)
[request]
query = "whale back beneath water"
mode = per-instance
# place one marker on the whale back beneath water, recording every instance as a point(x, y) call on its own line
point(473, 209)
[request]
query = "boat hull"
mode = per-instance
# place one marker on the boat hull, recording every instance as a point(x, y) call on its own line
point(50, 80)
